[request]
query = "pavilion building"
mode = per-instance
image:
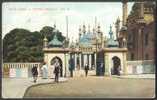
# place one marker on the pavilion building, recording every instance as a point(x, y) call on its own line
point(92, 48)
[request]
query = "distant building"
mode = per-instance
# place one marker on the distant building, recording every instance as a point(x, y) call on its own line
point(141, 31)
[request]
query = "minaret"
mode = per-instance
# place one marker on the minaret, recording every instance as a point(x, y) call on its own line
point(117, 26)
point(45, 42)
point(55, 30)
point(84, 29)
point(111, 33)
point(141, 10)
point(79, 32)
point(124, 12)
point(99, 28)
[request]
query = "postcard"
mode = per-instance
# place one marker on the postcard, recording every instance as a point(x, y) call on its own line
point(78, 49)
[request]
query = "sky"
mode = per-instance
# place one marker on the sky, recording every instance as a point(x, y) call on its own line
point(35, 15)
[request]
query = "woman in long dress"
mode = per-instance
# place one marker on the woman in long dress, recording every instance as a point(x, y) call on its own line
point(44, 71)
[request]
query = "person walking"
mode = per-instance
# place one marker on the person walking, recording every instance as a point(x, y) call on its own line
point(44, 71)
point(56, 71)
point(86, 69)
point(35, 73)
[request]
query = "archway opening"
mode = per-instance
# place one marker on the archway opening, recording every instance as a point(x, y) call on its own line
point(116, 66)
point(100, 64)
point(61, 64)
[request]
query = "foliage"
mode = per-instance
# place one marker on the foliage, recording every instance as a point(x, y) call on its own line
point(48, 32)
point(21, 45)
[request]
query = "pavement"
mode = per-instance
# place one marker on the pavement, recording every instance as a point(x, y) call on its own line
point(16, 87)
point(20, 85)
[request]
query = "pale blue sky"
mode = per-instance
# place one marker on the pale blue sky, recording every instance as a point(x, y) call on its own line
point(33, 16)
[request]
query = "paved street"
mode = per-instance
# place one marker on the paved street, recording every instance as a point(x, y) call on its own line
point(16, 87)
point(93, 86)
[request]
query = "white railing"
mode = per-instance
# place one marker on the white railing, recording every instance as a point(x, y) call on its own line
point(19, 69)
point(141, 67)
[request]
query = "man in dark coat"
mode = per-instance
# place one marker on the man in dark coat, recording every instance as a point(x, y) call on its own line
point(56, 71)
point(86, 69)
point(35, 73)
point(71, 66)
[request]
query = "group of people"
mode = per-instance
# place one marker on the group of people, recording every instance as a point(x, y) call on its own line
point(56, 71)
point(45, 71)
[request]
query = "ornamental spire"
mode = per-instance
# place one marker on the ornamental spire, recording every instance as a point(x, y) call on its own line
point(84, 28)
point(110, 32)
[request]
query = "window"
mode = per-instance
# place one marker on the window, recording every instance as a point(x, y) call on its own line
point(146, 39)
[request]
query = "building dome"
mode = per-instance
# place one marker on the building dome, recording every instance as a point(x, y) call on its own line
point(112, 43)
point(86, 39)
point(55, 42)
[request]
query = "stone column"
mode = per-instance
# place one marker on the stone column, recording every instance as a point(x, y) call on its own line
point(65, 65)
point(124, 11)
point(95, 60)
point(124, 63)
point(80, 59)
point(75, 61)
point(90, 62)
point(68, 58)
point(88, 59)
point(85, 59)
point(107, 72)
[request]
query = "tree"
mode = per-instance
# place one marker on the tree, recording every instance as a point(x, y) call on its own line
point(48, 32)
point(21, 45)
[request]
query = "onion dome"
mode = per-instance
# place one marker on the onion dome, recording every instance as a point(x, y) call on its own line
point(55, 42)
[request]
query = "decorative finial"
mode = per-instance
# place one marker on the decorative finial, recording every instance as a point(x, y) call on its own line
point(79, 31)
point(110, 32)
point(110, 28)
point(54, 25)
point(84, 28)
point(99, 25)
point(80, 28)
point(99, 28)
